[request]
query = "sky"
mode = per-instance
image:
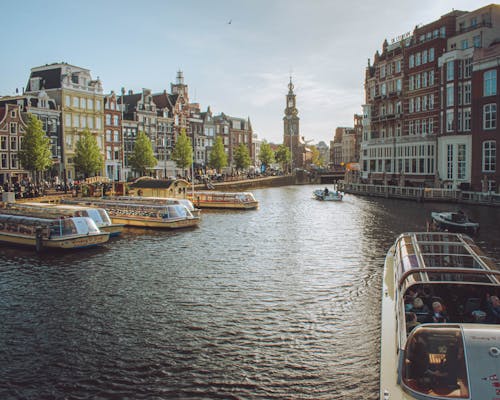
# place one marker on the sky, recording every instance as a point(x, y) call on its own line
point(237, 56)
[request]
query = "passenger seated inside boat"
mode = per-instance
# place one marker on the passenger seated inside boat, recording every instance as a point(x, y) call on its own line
point(411, 321)
point(434, 363)
point(456, 303)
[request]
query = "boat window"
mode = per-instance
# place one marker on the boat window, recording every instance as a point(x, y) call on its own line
point(104, 216)
point(434, 363)
point(450, 261)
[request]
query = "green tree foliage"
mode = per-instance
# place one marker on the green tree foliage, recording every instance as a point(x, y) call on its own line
point(88, 158)
point(143, 157)
point(35, 155)
point(242, 157)
point(183, 151)
point(266, 155)
point(283, 156)
point(317, 160)
point(218, 157)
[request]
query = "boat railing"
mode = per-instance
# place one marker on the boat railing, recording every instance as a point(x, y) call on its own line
point(446, 270)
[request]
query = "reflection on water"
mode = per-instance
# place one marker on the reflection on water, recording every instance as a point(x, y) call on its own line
point(279, 302)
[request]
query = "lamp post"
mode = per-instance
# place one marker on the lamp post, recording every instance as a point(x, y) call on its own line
point(122, 172)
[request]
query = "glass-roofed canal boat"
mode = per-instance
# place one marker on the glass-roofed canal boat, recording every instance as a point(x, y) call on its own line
point(440, 331)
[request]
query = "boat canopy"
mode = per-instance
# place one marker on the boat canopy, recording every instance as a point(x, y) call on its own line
point(153, 200)
point(441, 257)
point(169, 211)
point(242, 197)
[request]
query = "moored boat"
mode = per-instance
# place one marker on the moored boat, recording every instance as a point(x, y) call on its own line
point(454, 222)
point(229, 200)
point(157, 201)
point(54, 233)
point(440, 330)
point(98, 215)
point(171, 216)
point(327, 195)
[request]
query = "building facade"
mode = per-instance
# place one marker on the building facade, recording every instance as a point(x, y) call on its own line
point(12, 130)
point(113, 140)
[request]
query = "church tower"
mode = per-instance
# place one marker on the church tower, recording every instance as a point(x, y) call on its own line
point(291, 134)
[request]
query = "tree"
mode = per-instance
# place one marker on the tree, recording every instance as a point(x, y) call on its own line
point(283, 156)
point(35, 155)
point(266, 155)
point(218, 156)
point(242, 157)
point(88, 158)
point(317, 159)
point(183, 151)
point(143, 157)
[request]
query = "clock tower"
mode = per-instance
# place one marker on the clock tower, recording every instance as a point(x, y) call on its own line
point(291, 134)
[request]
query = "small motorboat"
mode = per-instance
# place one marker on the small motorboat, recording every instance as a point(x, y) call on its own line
point(454, 222)
point(328, 195)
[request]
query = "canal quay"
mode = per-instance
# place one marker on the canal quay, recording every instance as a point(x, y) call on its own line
point(282, 302)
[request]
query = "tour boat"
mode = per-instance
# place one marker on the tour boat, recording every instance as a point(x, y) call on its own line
point(327, 195)
point(236, 200)
point(157, 201)
point(171, 216)
point(54, 233)
point(98, 215)
point(454, 222)
point(453, 351)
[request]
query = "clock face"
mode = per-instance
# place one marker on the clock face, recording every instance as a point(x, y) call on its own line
point(290, 103)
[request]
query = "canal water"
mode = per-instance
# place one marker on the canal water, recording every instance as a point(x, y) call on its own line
point(282, 302)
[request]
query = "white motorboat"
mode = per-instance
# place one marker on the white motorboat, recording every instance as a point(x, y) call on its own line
point(328, 195)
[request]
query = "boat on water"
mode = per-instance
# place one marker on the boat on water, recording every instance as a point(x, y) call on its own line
point(170, 216)
point(157, 201)
point(454, 222)
point(98, 215)
point(53, 233)
point(440, 330)
point(328, 195)
point(229, 200)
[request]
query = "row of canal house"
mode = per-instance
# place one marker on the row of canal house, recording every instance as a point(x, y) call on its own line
point(68, 100)
point(431, 100)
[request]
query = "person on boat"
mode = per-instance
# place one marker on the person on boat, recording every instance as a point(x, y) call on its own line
point(325, 192)
point(439, 314)
point(493, 310)
point(411, 321)
point(419, 307)
point(446, 374)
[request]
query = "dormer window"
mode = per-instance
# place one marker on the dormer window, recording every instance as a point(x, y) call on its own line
point(74, 78)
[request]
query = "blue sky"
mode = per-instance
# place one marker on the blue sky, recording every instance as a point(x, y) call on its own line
point(241, 68)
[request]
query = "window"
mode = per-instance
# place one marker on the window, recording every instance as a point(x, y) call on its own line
point(476, 41)
point(465, 44)
point(399, 85)
point(116, 136)
point(467, 118)
point(418, 59)
point(431, 54)
point(3, 142)
point(383, 91)
point(461, 161)
point(411, 83)
point(98, 123)
point(424, 79)
point(67, 120)
point(108, 119)
point(424, 103)
point(449, 120)
point(83, 103)
point(489, 116)
point(115, 120)
point(412, 105)
point(83, 121)
point(67, 101)
point(98, 105)
point(398, 66)
point(417, 81)
point(410, 127)
point(431, 78)
point(13, 161)
point(473, 22)
point(90, 122)
point(13, 128)
point(489, 156)
point(76, 120)
point(467, 92)
point(449, 71)
point(382, 71)
point(459, 120)
point(490, 83)
point(108, 135)
point(90, 104)
point(449, 162)
point(412, 61)
point(4, 161)
point(468, 67)
point(431, 102)
point(442, 32)
point(450, 95)
point(424, 56)
point(417, 104)
point(13, 143)
point(431, 126)
point(76, 102)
